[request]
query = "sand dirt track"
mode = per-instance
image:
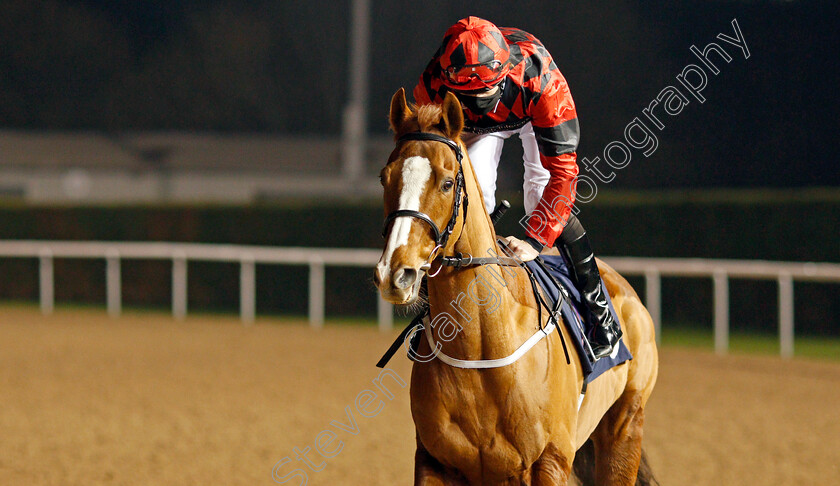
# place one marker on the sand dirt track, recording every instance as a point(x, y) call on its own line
point(146, 400)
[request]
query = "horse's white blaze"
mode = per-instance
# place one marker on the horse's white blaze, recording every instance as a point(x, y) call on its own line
point(416, 173)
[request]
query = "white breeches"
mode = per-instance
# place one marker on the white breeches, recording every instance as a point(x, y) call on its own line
point(486, 149)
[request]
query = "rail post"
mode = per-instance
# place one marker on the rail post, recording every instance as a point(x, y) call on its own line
point(385, 314)
point(179, 285)
point(653, 300)
point(721, 292)
point(247, 289)
point(112, 282)
point(46, 281)
point(786, 315)
point(316, 293)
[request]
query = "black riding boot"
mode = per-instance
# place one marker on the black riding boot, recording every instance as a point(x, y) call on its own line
point(606, 332)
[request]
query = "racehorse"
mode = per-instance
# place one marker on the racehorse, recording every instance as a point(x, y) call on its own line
point(518, 424)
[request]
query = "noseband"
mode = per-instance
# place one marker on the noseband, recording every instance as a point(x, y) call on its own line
point(441, 237)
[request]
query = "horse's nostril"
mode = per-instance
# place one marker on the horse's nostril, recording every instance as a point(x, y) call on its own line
point(405, 277)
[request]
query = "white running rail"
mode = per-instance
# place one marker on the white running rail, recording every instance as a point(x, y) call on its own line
point(720, 271)
point(181, 253)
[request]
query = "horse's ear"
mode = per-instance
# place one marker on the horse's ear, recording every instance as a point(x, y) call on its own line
point(400, 112)
point(453, 116)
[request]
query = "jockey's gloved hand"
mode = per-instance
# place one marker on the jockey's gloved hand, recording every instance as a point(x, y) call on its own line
point(521, 249)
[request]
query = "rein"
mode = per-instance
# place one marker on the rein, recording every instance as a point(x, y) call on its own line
point(460, 260)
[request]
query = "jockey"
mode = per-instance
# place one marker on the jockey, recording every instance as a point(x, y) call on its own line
point(508, 84)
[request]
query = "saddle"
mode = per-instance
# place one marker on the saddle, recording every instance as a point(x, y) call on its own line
point(554, 277)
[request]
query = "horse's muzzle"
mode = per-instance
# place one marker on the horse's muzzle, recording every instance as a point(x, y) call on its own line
point(400, 287)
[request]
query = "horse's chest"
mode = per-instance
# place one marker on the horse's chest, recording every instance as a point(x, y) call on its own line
point(487, 435)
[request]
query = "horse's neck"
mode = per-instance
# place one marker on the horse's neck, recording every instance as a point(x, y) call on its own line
point(479, 298)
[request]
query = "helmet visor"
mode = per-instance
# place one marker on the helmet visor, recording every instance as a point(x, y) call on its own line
point(487, 72)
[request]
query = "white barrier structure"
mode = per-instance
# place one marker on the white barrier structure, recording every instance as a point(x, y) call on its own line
point(652, 269)
point(181, 253)
point(721, 271)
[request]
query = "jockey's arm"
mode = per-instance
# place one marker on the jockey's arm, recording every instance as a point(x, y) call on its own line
point(555, 123)
point(549, 218)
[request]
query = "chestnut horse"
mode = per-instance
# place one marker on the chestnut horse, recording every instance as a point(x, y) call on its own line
point(517, 424)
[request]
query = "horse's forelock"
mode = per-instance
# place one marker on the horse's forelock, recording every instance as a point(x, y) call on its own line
point(428, 116)
point(424, 118)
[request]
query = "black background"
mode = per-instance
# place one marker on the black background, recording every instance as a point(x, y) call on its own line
point(281, 67)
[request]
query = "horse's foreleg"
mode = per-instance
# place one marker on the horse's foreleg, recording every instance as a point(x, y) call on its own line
point(428, 471)
point(552, 468)
point(618, 442)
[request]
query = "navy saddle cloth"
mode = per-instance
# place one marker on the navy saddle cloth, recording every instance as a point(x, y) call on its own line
point(577, 315)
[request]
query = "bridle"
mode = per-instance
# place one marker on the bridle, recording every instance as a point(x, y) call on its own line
point(441, 237)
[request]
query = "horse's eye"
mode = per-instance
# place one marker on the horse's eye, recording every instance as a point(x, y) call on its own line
point(447, 185)
point(381, 180)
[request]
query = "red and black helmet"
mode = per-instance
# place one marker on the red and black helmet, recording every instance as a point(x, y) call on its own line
point(474, 55)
